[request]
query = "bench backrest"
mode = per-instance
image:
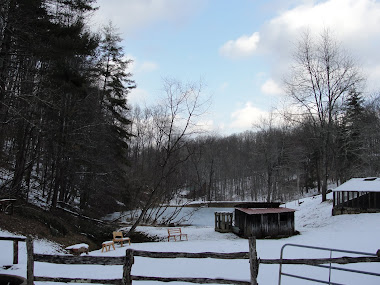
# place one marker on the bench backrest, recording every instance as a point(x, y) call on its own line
point(117, 235)
point(174, 231)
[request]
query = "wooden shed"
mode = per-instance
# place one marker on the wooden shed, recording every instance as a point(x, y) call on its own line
point(265, 222)
point(357, 195)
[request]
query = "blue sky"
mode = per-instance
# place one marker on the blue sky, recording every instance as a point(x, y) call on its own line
point(241, 49)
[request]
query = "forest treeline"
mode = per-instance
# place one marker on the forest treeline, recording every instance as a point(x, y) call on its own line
point(63, 108)
point(327, 134)
point(273, 162)
point(69, 138)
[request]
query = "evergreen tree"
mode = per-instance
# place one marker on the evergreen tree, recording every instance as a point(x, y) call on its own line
point(350, 138)
point(114, 84)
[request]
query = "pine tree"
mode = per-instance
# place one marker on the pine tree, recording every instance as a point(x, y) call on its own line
point(350, 137)
point(114, 84)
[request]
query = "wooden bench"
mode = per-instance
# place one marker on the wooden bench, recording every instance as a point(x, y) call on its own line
point(174, 233)
point(118, 237)
point(78, 249)
point(107, 245)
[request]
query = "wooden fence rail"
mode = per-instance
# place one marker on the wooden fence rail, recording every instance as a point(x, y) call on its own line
point(15, 246)
point(128, 261)
point(68, 259)
point(251, 255)
point(218, 255)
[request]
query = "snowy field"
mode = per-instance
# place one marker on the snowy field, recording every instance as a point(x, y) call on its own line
point(313, 220)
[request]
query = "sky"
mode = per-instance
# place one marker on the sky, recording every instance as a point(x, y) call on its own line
point(240, 50)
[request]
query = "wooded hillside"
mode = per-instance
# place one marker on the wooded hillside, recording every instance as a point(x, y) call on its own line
point(68, 136)
point(63, 108)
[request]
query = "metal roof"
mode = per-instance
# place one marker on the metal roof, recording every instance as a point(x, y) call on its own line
point(259, 211)
point(369, 184)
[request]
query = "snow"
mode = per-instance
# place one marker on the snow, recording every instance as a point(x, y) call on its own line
point(313, 220)
point(369, 184)
point(77, 246)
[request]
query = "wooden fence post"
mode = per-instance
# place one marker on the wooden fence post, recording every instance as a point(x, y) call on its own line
point(15, 252)
point(127, 268)
point(30, 261)
point(253, 261)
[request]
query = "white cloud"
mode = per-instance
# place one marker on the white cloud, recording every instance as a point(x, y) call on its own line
point(345, 17)
point(138, 96)
point(241, 47)
point(147, 66)
point(224, 86)
point(354, 23)
point(132, 65)
point(206, 126)
point(270, 87)
point(136, 67)
point(133, 15)
point(372, 74)
point(244, 118)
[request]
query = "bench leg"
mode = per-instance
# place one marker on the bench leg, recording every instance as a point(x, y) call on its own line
point(107, 247)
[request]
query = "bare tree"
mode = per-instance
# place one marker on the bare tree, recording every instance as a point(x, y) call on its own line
point(322, 75)
point(163, 133)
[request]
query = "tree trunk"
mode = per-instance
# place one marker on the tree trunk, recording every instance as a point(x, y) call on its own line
point(20, 160)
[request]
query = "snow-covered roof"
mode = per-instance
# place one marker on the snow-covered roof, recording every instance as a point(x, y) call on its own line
point(369, 184)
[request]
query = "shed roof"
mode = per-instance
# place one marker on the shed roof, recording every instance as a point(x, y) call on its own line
point(369, 184)
point(259, 211)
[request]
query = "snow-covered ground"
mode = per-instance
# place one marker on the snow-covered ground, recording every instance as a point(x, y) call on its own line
point(313, 220)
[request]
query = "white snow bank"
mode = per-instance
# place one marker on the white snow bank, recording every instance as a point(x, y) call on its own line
point(77, 246)
point(313, 220)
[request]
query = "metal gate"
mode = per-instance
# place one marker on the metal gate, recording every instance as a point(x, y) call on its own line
point(329, 267)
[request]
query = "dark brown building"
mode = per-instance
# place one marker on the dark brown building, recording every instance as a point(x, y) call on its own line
point(265, 222)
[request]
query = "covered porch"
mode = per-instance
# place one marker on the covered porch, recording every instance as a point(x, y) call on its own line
point(357, 195)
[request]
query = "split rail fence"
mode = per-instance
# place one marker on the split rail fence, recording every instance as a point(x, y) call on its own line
point(15, 246)
point(128, 261)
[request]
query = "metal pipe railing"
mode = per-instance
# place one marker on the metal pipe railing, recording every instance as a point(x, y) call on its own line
point(330, 267)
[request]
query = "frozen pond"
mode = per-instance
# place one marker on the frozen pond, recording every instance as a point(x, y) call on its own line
point(203, 216)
